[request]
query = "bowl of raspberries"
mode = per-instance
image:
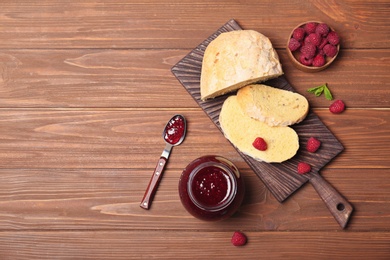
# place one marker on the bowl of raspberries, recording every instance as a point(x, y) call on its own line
point(312, 46)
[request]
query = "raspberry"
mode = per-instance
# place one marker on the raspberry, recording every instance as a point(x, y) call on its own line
point(308, 50)
point(294, 44)
point(322, 29)
point(318, 61)
point(323, 43)
point(337, 107)
point(299, 34)
point(238, 239)
point(260, 144)
point(333, 38)
point(314, 38)
point(303, 168)
point(310, 27)
point(313, 144)
point(305, 61)
point(330, 50)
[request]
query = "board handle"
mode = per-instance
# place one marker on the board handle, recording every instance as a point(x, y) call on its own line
point(340, 208)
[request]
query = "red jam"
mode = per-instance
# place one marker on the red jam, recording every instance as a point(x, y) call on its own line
point(174, 130)
point(211, 188)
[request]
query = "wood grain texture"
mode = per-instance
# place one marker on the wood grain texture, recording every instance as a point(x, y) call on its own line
point(168, 245)
point(108, 199)
point(86, 89)
point(171, 24)
point(111, 138)
point(142, 79)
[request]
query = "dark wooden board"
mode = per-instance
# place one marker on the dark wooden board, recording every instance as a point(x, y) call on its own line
point(280, 178)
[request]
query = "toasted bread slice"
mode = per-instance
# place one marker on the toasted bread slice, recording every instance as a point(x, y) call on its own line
point(241, 130)
point(276, 107)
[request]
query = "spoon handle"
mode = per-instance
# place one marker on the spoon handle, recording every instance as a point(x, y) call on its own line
point(156, 177)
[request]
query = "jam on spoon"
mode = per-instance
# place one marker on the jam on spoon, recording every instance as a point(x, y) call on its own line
point(175, 130)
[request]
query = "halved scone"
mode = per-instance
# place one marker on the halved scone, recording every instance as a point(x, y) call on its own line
point(236, 59)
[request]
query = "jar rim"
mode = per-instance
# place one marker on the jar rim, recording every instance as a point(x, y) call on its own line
point(231, 191)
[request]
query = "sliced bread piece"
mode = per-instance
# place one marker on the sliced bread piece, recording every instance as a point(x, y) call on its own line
point(241, 130)
point(235, 59)
point(276, 107)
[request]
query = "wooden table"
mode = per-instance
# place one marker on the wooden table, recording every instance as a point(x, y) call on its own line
point(86, 89)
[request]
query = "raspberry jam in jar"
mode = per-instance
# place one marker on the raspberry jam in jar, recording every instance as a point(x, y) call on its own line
point(211, 188)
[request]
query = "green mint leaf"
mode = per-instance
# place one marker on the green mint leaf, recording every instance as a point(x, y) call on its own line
point(315, 90)
point(318, 92)
point(327, 93)
point(312, 90)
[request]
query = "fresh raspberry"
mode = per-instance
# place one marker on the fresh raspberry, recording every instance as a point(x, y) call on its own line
point(294, 44)
point(313, 144)
point(260, 144)
point(310, 27)
point(323, 43)
point(330, 50)
point(299, 34)
point(333, 38)
point(305, 61)
point(337, 107)
point(303, 168)
point(308, 50)
point(318, 61)
point(238, 239)
point(314, 38)
point(322, 29)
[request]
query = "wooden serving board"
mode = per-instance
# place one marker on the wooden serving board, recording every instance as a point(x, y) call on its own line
point(280, 178)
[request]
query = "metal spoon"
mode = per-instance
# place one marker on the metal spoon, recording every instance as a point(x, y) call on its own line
point(173, 134)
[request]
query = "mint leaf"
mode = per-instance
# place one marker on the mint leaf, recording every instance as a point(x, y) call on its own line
point(317, 91)
point(327, 93)
point(313, 90)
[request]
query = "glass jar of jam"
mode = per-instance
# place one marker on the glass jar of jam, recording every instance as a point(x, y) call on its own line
point(211, 188)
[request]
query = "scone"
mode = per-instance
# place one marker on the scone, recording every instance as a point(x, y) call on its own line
point(241, 130)
point(276, 107)
point(235, 59)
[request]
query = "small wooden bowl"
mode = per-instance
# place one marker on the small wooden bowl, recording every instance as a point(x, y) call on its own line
point(294, 56)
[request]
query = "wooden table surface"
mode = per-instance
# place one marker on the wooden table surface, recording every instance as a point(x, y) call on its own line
point(85, 91)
